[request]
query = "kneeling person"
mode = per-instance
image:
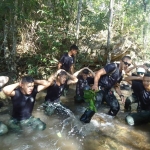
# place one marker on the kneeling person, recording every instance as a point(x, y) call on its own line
point(134, 97)
point(58, 81)
point(143, 94)
point(84, 80)
point(23, 98)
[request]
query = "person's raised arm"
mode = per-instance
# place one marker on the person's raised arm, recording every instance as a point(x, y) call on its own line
point(93, 74)
point(77, 72)
point(97, 77)
point(134, 67)
point(42, 84)
point(72, 79)
point(130, 78)
point(9, 89)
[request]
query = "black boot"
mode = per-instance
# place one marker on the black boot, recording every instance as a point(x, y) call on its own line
point(86, 117)
point(138, 118)
point(128, 105)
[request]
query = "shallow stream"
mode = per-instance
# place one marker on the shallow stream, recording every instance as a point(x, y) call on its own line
point(66, 132)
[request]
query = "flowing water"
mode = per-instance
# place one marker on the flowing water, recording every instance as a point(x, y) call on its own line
point(66, 132)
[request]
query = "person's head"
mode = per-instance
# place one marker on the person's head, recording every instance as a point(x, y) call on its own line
point(125, 62)
point(73, 50)
point(27, 84)
point(85, 74)
point(140, 71)
point(146, 81)
point(62, 77)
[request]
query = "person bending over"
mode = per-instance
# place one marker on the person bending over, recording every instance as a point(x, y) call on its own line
point(105, 79)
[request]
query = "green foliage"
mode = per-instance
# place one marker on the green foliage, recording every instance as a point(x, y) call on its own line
point(55, 29)
point(89, 97)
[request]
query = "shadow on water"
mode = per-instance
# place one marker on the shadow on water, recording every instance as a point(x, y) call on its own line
point(66, 132)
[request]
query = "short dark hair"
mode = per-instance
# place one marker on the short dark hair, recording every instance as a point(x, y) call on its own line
point(85, 71)
point(73, 47)
point(124, 57)
point(27, 79)
point(147, 74)
point(62, 73)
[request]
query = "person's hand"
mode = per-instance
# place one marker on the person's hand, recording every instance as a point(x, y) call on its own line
point(58, 71)
point(122, 99)
point(95, 87)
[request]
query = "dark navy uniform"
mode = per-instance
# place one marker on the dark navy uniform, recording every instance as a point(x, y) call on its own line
point(52, 99)
point(54, 92)
point(66, 61)
point(23, 104)
point(106, 82)
point(133, 98)
point(80, 86)
point(144, 96)
point(143, 116)
point(22, 111)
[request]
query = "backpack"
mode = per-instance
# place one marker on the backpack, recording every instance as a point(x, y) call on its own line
point(111, 73)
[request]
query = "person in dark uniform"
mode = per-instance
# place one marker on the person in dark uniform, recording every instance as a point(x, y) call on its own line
point(105, 79)
point(85, 78)
point(55, 89)
point(3, 81)
point(67, 63)
point(67, 60)
point(23, 96)
point(143, 94)
point(133, 98)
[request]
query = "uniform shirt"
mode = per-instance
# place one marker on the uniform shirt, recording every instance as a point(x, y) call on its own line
point(23, 104)
point(133, 87)
point(82, 83)
point(66, 62)
point(143, 95)
point(112, 76)
point(54, 92)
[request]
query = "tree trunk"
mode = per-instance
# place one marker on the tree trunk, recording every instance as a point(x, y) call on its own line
point(109, 30)
point(14, 35)
point(5, 42)
point(144, 30)
point(78, 19)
